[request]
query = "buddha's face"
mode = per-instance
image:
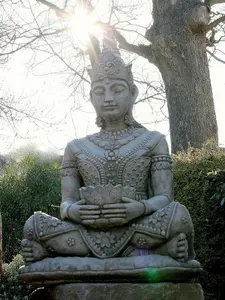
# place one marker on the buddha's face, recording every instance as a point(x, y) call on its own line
point(111, 98)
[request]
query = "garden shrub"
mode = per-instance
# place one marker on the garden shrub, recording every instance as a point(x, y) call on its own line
point(29, 184)
point(10, 287)
point(199, 185)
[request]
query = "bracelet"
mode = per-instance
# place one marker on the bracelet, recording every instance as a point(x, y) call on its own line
point(146, 206)
point(67, 211)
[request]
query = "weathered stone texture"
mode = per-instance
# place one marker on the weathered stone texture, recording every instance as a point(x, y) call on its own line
point(124, 291)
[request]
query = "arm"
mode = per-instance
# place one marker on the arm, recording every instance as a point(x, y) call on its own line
point(72, 207)
point(70, 183)
point(161, 178)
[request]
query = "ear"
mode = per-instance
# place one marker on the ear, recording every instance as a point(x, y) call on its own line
point(90, 93)
point(135, 93)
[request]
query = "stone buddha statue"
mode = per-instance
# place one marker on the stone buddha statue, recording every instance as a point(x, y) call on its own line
point(117, 188)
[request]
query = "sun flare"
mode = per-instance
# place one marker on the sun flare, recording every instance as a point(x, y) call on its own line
point(82, 25)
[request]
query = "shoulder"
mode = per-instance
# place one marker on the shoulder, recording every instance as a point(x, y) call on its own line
point(76, 145)
point(157, 143)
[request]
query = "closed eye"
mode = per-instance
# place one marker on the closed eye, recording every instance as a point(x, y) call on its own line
point(118, 89)
point(99, 91)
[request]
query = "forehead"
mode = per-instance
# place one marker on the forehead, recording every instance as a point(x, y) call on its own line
point(110, 81)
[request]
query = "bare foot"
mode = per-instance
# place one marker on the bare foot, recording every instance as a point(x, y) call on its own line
point(178, 247)
point(32, 251)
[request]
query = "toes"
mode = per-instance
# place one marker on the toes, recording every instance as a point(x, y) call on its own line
point(27, 249)
point(181, 255)
point(181, 237)
point(181, 243)
point(26, 243)
point(181, 249)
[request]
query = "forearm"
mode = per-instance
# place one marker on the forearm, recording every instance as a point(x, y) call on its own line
point(155, 203)
point(70, 195)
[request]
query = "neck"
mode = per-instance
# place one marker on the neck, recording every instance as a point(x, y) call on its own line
point(114, 125)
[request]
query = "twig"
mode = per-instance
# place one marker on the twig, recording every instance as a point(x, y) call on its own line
point(214, 56)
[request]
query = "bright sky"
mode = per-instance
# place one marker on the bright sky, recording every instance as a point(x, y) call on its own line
point(49, 93)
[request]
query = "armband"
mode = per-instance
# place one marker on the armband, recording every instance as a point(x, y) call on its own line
point(68, 169)
point(161, 162)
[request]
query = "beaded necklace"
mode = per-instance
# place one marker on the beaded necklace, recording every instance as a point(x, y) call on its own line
point(112, 141)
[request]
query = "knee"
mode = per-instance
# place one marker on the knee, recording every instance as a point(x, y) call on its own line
point(28, 230)
point(182, 220)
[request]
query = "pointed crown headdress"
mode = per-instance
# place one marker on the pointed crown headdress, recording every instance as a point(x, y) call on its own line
point(108, 62)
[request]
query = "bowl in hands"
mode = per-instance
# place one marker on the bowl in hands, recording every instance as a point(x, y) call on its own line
point(107, 194)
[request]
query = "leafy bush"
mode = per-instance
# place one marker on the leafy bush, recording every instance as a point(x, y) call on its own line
point(199, 185)
point(28, 184)
point(10, 287)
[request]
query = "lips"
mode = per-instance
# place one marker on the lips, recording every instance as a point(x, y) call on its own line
point(108, 107)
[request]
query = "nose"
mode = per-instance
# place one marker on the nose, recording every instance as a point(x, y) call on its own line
point(108, 96)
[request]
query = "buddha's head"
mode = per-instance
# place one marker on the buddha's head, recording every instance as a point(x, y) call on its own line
point(113, 91)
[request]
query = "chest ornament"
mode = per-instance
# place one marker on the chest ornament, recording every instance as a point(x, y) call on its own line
point(112, 141)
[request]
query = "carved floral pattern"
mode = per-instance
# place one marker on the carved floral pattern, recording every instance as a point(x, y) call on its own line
point(108, 194)
point(158, 221)
point(105, 239)
point(142, 241)
point(71, 242)
point(136, 173)
point(47, 225)
point(89, 173)
point(184, 220)
point(29, 232)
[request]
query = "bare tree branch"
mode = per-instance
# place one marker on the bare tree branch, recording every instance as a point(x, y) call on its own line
point(61, 13)
point(215, 23)
point(214, 56)
point(143, 50)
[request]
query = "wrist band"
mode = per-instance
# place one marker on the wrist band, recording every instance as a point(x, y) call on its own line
point(147, 207)
point(67, 211)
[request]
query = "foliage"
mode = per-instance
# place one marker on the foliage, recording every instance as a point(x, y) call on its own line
point(28, 184)
point(10, 288)
point(217, 185)
point(199, 185)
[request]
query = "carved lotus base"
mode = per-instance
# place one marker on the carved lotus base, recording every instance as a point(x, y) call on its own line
point(123, 291)
point(149, 268)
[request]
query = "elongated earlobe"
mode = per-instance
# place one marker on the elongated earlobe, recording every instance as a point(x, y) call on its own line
point(135, 93)
point(128, 119)
point(99, 122)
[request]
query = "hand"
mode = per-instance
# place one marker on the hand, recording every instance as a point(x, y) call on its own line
point(81, 213)
point(122, 213)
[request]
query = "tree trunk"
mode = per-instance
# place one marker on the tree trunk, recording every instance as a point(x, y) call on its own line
point(179, 44)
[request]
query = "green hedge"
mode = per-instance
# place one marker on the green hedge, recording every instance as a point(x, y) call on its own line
point(33, 184)
point(202, 193)
point(30, 184)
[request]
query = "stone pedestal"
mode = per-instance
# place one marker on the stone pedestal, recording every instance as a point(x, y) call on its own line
point(121, 291)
